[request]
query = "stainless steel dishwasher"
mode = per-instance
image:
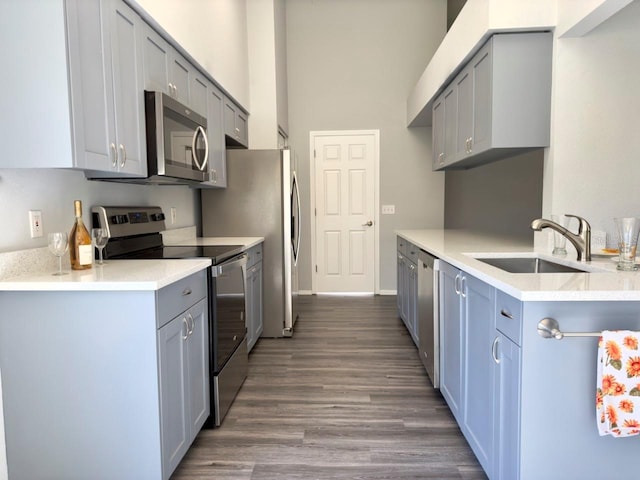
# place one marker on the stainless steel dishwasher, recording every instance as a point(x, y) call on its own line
point(428, 317)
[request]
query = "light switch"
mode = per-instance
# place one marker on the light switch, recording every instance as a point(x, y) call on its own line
point(388, 209)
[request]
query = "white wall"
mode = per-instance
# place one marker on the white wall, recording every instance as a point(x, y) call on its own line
point(214, 32)
point(592, 168)
point(351, 66)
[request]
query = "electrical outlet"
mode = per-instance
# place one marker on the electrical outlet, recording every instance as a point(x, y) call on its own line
point(388, 209)
point(174, 215)
point(35, 223)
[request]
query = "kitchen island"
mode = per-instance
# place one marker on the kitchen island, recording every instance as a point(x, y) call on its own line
point(526, 403)
point(100, 377)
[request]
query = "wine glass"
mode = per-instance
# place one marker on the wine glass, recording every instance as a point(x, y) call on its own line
point(100, 236)
point(58, 245)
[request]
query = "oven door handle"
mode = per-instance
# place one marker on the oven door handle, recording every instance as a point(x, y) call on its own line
point(231, 264)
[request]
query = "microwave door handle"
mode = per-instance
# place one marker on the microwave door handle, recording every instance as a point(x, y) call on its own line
point(199, 131)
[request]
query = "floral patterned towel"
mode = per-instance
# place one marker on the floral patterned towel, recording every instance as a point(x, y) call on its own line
point(618, 377)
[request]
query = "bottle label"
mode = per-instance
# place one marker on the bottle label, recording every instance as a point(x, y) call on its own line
point(85, 254)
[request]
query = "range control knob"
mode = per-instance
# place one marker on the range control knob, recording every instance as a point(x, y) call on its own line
point(119, 219)
point(156, 217)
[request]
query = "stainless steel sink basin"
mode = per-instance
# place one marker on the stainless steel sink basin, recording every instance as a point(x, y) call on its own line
point(528, 265)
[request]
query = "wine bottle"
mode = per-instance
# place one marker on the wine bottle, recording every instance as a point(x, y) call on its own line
point(80, 248)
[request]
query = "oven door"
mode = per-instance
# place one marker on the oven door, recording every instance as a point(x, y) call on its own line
point(227, 307)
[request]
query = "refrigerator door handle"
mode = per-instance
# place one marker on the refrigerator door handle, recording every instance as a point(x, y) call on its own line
point(296, 247)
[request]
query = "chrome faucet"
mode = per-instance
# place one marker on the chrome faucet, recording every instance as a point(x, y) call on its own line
point(581, 240)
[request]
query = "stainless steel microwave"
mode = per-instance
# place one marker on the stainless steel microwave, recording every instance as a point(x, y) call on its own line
point(177, 147)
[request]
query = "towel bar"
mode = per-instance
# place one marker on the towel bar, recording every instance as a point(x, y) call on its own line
point(550, 328)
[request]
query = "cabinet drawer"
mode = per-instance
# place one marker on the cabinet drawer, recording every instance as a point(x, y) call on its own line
point(402, 245)
point(180, 296)
point(412, 252)
point(254, 255)
point(509, 316)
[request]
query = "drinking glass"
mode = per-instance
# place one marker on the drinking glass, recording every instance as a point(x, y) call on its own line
point(58, 245)
point(100, 237)
point(559, 240)
point(628, 229)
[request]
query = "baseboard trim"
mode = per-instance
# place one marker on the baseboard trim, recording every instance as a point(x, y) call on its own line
point(388, 292)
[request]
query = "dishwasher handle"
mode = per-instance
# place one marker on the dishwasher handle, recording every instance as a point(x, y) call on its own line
point(232, 263)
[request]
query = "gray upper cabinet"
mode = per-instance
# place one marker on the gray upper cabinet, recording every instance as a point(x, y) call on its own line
point(165, 70)
point(235, 125)
point(498, 105)
point(88, 113)
point(106, 78)
point(215, 135)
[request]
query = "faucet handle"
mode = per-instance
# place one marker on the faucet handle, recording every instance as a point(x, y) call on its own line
point(583, 225)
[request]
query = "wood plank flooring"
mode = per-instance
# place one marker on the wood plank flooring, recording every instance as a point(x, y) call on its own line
point(345, 398)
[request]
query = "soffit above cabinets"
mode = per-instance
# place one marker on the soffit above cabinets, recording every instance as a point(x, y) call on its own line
point(477, 21)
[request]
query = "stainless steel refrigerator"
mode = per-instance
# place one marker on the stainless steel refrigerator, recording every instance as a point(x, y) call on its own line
point(262, 200)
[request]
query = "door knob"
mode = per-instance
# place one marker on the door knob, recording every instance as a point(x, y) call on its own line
point(368, 224)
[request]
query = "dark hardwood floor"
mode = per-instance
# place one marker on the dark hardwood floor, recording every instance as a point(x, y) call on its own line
point(345, 398)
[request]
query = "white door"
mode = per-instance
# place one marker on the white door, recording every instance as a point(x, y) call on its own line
point(345, 210)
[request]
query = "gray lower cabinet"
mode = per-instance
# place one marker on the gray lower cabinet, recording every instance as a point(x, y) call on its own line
point(526, 403)
point(103, 384)
point(254, 297)
point(498, 105)
point(183, 347)
point(468, 373)
point(407, 287)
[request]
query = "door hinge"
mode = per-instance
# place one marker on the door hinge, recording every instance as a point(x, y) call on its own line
point(314, 153)
point(315, 212)
point(316, 268)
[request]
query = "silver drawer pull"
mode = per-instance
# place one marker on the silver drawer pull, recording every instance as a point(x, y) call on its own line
point(505, 313)
point(186, 291)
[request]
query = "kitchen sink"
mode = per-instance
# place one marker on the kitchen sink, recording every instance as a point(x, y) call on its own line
point(528, 265)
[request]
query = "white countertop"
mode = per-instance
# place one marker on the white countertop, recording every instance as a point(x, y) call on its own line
point(602, 283)
point(115, 275)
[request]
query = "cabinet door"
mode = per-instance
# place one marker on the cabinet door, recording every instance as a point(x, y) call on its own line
point(215, 135)
point(173, 400)
point(450, 124)
point(506, 464)
point(180, 72)
point(482, 98)
point(412, 310)
point(451, 339)
point(91, 86)
point(464, 87)
point(126, 52)
point(479, 332)
point(198, 368)
point(399, 285)
point(235, 123)
point(254, 303)
point(199, 93)
point(156, 53)
point(437, 122)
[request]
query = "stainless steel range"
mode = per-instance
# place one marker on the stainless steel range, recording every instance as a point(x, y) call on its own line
point(134, 232)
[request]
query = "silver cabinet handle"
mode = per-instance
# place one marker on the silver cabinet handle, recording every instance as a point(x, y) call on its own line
point(456, 284)
point(186, 325)
point(186, 291)
point(505, 313)
point(114, 154)
point(368, 224)
point(191, 322)
point(463, 286)
point(123, 157)
point(494, 350)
